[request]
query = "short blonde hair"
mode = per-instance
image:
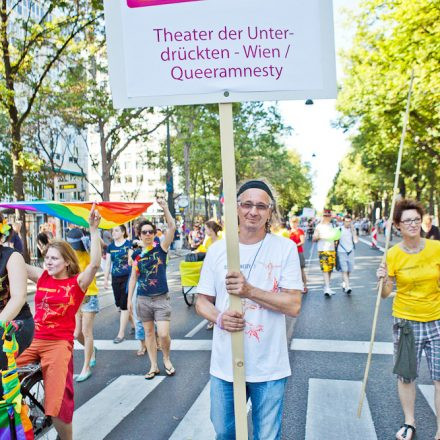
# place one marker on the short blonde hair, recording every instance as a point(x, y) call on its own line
point(68, 254)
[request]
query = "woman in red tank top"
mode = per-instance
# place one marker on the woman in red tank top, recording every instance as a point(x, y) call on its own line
point(60, 292)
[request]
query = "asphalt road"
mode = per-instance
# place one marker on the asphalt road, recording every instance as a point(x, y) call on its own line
point(327, 358)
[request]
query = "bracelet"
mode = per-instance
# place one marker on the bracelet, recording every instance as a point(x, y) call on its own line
point(219, 321)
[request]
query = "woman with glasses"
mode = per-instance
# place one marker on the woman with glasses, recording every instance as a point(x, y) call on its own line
point(153, 300)
point(414, 265)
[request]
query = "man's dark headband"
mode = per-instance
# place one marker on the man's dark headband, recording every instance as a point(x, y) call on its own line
point(258, 184)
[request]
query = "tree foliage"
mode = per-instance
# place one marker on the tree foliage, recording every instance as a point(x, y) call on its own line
point(392, 38)
point(259, 152)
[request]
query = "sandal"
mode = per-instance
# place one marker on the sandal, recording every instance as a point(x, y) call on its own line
point(170, 371)
point(141, 352)
point(151, 374)
point(405, 428)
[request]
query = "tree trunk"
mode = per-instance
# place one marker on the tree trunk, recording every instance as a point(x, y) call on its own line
point(18, 182)
point(186, 152)
point(205, 196)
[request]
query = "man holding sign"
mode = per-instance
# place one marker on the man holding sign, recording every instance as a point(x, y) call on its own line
point(269, 285)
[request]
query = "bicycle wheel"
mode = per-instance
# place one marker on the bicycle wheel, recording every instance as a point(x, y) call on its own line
point(188, 296)
point(32, 390)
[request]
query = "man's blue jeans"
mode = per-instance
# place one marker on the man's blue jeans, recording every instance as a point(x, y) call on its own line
point(267, 408)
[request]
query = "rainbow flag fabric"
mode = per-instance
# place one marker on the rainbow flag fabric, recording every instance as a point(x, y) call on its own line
point(112, 213)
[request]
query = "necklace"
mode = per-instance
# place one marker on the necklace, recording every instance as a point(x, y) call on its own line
point(243, 301)
point(416, 250)
point(255, 257)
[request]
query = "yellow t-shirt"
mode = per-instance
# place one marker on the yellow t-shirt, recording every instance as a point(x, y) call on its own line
point(418, 282)
point(84, 260)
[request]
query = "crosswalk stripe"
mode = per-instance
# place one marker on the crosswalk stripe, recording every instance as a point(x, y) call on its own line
point(115, 401)
point(176, 344)
point(190, 427)
point(331, 411)
point(428, 394)
point(197, 328)
point(340, 346)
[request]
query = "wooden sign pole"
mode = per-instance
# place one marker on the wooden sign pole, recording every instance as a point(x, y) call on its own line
point(387, 244)
point(232, 248)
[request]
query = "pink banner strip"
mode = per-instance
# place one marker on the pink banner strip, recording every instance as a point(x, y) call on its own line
point(145, 3)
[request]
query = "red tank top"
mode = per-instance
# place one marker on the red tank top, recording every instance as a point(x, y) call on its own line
point(56, 303)
point(296, 237)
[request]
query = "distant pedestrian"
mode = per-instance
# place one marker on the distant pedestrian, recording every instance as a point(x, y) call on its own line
point(85, 316)
point(298, 237)
point(414, 265)
point(118, 256)
point(195, 237)
point(345, 252)
point(324, 235)
point(429, 231)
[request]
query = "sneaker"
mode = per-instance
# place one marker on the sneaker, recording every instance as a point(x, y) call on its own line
point(348, 291)
point(332, 292)
point(343, 286)
point(327, 292)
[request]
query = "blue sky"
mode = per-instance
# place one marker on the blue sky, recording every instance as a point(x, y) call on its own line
point(312, 124)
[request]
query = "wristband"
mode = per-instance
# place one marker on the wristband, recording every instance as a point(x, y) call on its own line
point(219, 321)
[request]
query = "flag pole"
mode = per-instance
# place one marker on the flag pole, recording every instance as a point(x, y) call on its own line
point(387, 244)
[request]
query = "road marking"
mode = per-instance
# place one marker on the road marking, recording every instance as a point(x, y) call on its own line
point(176, 344)
point(197, 328)
point(103, 412)
point(368, 243)
point(331, 411)
point(335, 346)
point(191, 428)
point(310, 257)
point(428, 394)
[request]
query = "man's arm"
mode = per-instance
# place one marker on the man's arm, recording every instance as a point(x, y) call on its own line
point(286, 301)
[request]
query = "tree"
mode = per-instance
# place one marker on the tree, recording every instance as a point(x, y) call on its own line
point(393, 38)
point(84, 101)
point(259, 152)
point(33, 43)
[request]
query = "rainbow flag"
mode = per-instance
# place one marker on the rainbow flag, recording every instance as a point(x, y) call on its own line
point(112, 213)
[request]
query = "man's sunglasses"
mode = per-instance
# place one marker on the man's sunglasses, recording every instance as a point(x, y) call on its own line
point(147, 232)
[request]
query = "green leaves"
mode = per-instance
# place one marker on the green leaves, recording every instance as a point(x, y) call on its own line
point(392, 39)
point(259, 151)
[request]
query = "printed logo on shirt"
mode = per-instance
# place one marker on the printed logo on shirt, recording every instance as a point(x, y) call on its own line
point(145, 3)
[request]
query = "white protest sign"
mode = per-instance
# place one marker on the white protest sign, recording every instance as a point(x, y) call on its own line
point(165, 52)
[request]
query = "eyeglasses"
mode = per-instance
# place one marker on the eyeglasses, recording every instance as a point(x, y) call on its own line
point(410, 221)
point(247, 206)
point(147, 232)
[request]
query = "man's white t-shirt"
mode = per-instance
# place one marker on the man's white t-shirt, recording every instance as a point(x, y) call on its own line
point(325, 230)
point(270, 264)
